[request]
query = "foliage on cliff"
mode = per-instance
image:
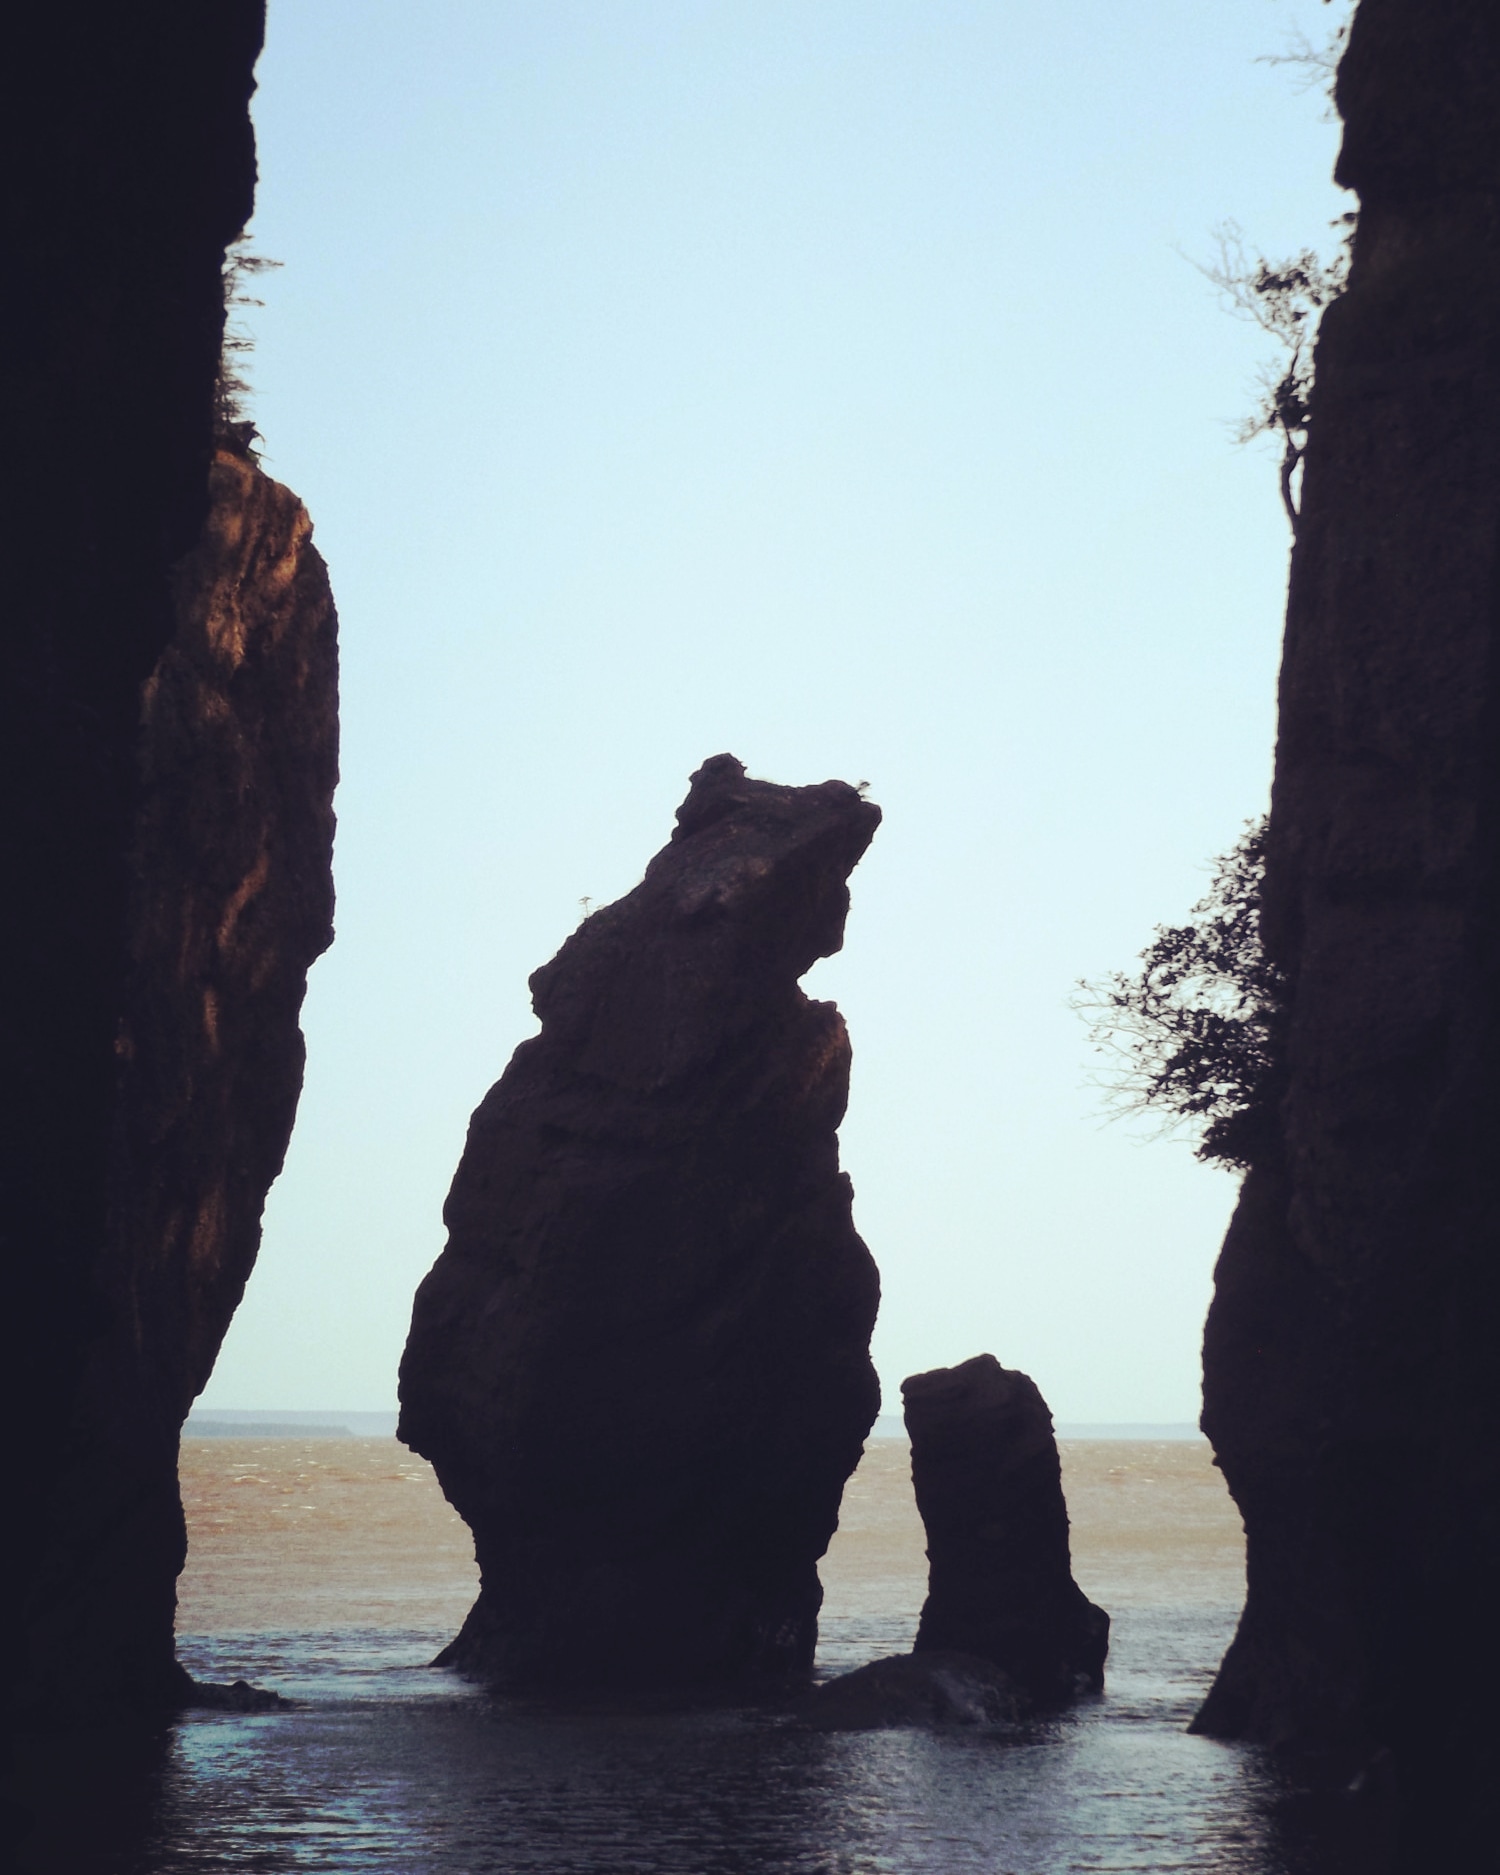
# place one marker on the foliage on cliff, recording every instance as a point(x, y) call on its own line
point(232, 391)
point(1287, 300)
point(1197, 1033)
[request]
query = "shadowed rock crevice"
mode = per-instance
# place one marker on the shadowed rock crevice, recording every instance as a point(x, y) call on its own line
point(640, 1367)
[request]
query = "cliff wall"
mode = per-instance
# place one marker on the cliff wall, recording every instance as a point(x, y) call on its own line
point(164, 817)
point(230, 901)
point(1349, 1349)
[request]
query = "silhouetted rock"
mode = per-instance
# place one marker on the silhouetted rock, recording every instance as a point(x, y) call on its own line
point(129, 165)
point(1000, 1584)
point(231, 901)
point(640, 1367)
point(930, 1689)
point(1349, 1357)
point(236, 1696)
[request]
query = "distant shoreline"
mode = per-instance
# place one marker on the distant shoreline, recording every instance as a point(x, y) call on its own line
point(216, 1422)
point(243, 1423)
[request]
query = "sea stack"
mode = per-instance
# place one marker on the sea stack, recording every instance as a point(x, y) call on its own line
point(641, 1365)
point(985, 1470)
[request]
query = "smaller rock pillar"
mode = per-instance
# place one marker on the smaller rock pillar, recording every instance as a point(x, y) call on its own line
point(1000, 1581)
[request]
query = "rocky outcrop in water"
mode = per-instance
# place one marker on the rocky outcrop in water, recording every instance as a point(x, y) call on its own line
point(640, 1367)
point(919, 1692)
point(129, 165)
point(985, 1471)
point(1349, 1353)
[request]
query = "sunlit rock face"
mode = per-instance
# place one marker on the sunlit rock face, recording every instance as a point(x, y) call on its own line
point(640, 1366)
point(1349, 1358)
point(233, 895)
point(985, 1470)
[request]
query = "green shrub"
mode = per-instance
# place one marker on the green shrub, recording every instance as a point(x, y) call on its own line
point(1198, 1033)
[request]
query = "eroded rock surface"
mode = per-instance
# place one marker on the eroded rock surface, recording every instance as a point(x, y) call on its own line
point(640, 1367)
point(231, 900)
point(985, 1470)
point(1350, 1350)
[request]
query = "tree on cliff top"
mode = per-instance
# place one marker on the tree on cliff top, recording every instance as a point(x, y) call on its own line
point(1198, 1032)
point(1287, 300)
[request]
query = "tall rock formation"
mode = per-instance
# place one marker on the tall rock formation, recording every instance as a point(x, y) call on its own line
point(230, 901)
point(640, 1366)
point(985, 1470)
point(164, 818)
point(1349, 1353)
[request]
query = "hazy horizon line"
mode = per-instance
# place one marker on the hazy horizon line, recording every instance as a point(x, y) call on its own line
point(887, 1425)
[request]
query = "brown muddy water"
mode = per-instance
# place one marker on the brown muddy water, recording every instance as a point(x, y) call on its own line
point(333, 1570)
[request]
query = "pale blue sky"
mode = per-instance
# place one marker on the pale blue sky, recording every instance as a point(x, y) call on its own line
point(820, 382)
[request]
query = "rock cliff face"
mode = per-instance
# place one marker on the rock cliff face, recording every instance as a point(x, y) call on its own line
point(640, 1366)
point(985, 1470)
point(1349, 1354)
point(230, 901)
point(126, 149)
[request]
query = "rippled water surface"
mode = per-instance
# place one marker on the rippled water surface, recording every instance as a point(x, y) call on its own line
point(332, 1570)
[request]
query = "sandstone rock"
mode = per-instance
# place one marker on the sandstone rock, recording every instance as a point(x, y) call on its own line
point(1350, 1349)
point(985, 1469)
point(935, 1688)
point(640, 1367)
point(231, 901)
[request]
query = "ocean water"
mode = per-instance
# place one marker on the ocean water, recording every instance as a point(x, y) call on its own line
point(333, 1570)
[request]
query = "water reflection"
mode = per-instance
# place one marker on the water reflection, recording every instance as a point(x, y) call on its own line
point(418, 1776)
point(389, 1766)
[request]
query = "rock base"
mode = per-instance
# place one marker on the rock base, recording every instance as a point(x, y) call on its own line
point(935, 1689)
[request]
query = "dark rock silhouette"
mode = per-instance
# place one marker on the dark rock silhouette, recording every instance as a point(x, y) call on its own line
point(1349, 1355)
point(985, 1470)
point(918, 1691)
point(230, 902)
point(236, 1696)
point(126, 146)
point(640, 1366)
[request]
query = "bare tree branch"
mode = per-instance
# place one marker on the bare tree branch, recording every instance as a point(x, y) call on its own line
point(1286, 300)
